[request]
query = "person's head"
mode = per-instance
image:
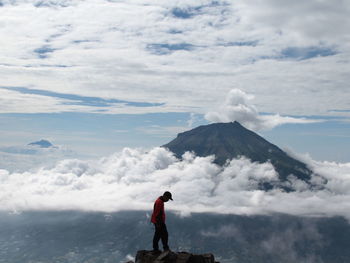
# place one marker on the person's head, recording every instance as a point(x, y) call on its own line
point(167, 196)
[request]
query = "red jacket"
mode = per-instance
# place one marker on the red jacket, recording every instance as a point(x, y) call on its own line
point(158, 215)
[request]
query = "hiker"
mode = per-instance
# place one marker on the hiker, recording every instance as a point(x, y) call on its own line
point(158, 219)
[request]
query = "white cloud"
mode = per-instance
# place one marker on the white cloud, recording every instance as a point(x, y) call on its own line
point(306, 21)
point(237, 107)
point(56, 46)
point(16, 102)
point(132, 179)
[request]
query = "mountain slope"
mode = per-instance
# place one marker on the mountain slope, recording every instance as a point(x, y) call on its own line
point(231, 140)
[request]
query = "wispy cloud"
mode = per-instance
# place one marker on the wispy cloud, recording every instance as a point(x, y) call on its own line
point(19, 100)
point(80, 100)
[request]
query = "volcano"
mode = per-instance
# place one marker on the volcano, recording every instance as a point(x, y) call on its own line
point(231, 140)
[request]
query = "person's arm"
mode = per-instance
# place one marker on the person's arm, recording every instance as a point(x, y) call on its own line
point(158, 210)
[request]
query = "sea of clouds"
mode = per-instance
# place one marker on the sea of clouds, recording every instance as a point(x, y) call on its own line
point(133, 178)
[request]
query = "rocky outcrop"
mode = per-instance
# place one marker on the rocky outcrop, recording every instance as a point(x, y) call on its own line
point(144, 256)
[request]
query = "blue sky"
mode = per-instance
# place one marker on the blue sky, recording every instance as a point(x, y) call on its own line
point(140, 72)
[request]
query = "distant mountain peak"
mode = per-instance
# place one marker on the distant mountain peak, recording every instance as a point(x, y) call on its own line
point(42, 144)
point(231, 140)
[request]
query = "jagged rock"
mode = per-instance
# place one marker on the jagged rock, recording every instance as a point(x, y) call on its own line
point(144, 256)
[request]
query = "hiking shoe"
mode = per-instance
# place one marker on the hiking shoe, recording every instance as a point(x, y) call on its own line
point(156, 251)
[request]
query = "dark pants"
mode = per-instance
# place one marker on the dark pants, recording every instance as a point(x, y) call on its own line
point(160, 232)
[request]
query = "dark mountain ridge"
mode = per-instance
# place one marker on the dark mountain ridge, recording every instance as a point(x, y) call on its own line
point(231, 140)
point(42, 144)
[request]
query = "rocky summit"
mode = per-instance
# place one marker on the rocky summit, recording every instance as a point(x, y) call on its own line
point(144, 256)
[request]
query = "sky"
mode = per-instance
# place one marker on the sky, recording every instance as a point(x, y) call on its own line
point(97, 76)
point(103, 78)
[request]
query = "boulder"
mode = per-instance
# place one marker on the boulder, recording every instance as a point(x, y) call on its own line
point(144, 256)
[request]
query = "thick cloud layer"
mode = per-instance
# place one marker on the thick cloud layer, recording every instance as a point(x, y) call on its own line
point(132, 179)
point(237, 107)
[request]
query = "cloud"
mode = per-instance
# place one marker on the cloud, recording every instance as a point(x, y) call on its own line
point(237, 107)
point(162, 50)
point(311, 20)
point(19, 100)
point(38, 101)
point(132, 179)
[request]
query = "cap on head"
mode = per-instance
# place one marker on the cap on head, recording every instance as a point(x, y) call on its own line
point(168, 194)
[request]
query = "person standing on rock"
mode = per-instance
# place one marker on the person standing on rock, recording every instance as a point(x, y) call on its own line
point(158, 219)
